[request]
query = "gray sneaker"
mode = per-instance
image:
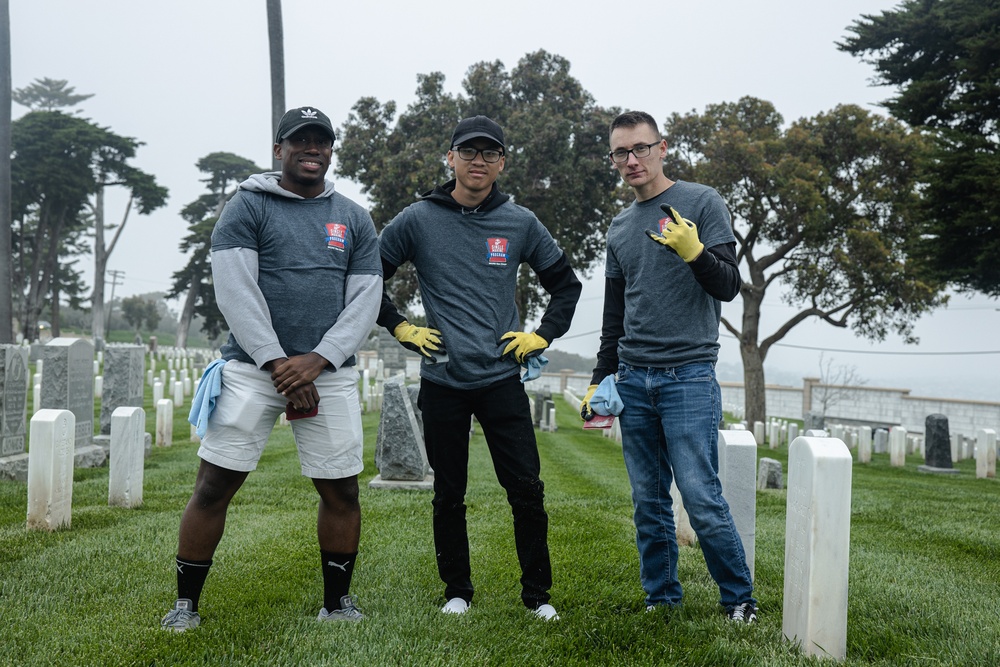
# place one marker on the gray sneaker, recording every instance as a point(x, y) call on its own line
point(348, 611)
point(181, 617)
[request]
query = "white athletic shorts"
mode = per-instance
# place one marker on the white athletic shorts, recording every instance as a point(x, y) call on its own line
point(330, 444)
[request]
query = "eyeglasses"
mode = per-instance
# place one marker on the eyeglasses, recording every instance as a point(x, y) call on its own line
point(490, 155)
point(322, 143)
point(621, 155)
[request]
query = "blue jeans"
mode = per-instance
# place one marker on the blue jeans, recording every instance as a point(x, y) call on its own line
point(670, 431)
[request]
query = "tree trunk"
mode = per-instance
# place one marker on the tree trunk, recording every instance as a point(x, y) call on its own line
point(187, 313)
point(54, 312)
point(100, 266)
point(276, 40)
point(755, 395)
point(6, 293)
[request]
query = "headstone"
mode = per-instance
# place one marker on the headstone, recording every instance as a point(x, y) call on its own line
point(816, 433)
point(68, 383)
point(391, 353)
point(793, 432)
point(774, 438)
point(98, 386)
point(769, 474)
point(986, 453)
point(399, 448)
point(865, 444)
point(897, 446)
point(539, 412)
point(413, 391)
point(13, 398)
point(738, 475)
point(164, 422)
point(813, 420)
point(956, 447)
point(881, 441)
point(178, 394)
point(758, 431)
point(737, 427)
point(937, 446)
point(686, 537)
point(157, 392)
point(50, 469)
point(123, 381)
point(817, 546)
point(125, 466)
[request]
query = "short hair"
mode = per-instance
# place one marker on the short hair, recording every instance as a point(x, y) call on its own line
point(633, 119)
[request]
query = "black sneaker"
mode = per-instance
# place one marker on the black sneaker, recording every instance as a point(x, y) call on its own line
point(743, 613)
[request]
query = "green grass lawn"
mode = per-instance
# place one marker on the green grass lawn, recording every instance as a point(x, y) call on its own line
point(924, 573)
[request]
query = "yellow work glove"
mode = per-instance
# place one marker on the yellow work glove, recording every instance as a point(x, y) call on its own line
point(680, 234)
point(523, 345)
point(585, 410)
point(419, 339)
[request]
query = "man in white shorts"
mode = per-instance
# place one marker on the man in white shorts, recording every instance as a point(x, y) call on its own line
point(298, 278)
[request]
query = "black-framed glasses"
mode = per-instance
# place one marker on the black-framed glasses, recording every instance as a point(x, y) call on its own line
point(468, 154)
point(642, 150)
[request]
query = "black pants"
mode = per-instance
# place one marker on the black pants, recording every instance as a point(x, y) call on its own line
point(503, 413)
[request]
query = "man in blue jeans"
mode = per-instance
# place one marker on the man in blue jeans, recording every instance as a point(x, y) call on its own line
point(662, 307)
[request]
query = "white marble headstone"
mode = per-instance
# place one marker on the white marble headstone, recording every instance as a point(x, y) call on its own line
point(128, 449)
point(738, 475)
point(50, 469)
point(164, 422)
point(817, 546)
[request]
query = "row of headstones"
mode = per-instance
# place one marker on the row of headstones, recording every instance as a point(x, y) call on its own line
point(51, 463)
point(64, 368)
point(894, 441)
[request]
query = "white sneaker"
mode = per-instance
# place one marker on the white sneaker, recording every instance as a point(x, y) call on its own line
point(546, 612)
point(455, 606)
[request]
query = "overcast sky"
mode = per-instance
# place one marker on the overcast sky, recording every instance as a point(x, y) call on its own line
point(191, 77)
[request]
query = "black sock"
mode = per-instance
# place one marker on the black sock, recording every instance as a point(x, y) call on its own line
point(191, 579)
point(337, 571)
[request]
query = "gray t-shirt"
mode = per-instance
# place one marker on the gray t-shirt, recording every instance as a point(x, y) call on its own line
point(467, 265)
point(669, 318)
point(306, 250)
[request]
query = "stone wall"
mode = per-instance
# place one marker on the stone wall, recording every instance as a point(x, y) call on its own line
point(873, 406)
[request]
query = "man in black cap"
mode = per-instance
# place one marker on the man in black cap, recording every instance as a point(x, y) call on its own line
point(298, 278)
point(467, 241)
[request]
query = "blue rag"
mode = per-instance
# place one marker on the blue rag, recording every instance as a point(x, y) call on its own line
point(533, 368)
point(203, 402)
point(606, 400)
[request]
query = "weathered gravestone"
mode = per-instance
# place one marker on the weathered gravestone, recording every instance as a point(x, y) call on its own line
point(769, 474)
point(50, 469)
point(399, 448)
point(539, 413)
point(865, 444)
point(986, 453)
point(813, 420)
point(738, 475)
point(817, 546)
point(68, 384)
point(897, 446)
point(881, 441)
point(937, 446)
point(123, 381)
point(125, 468)
point(391, 353)
point(164, 422)
point(13, 411)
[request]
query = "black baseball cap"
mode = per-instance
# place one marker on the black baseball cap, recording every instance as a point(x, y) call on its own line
point(475, 127)
point(295, 119)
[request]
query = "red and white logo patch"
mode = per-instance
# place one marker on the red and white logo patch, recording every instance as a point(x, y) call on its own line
point(496, 251)
point(336, 236)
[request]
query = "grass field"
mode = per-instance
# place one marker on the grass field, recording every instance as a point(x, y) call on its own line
point(924, 574)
